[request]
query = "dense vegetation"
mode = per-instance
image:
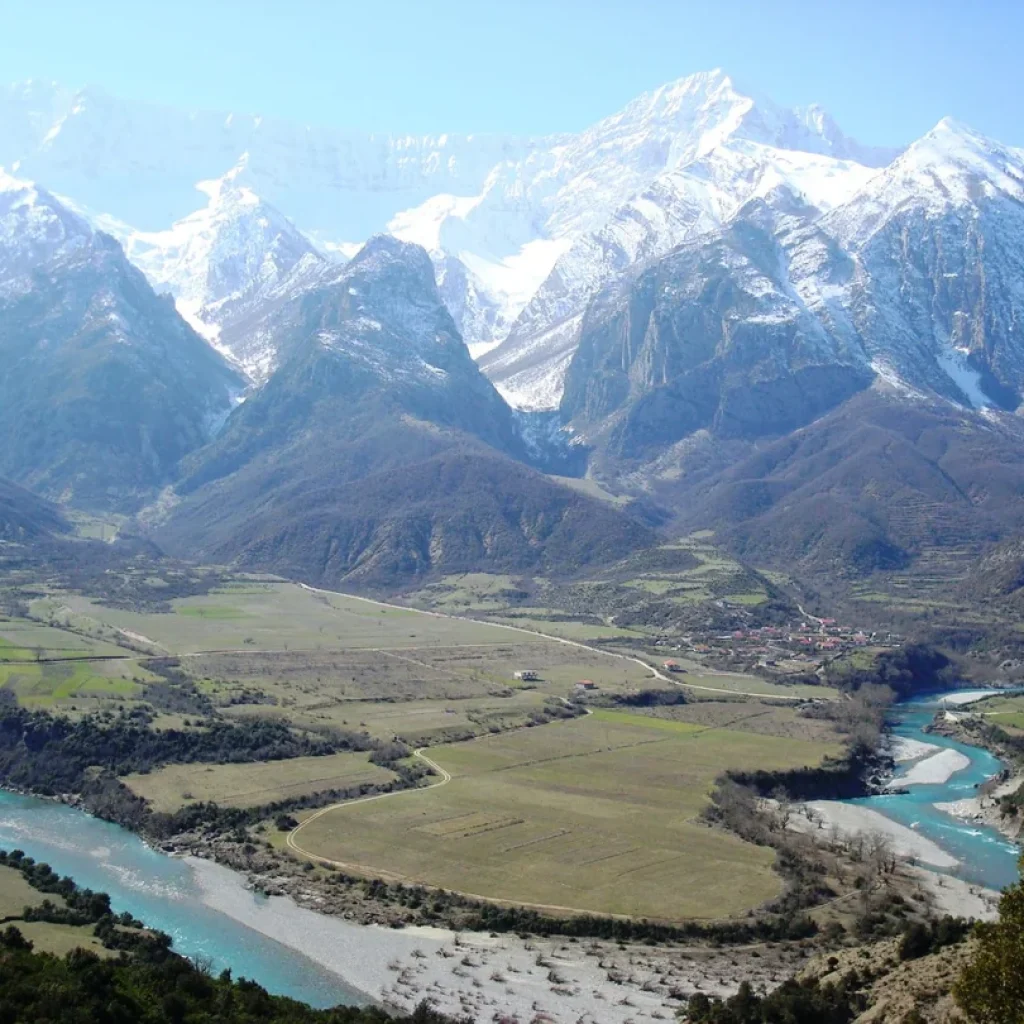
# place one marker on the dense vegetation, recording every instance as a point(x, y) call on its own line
point(906, 670)
point(462, 510)
point(792, 1002)
point(867, 487)
point(991, 989)
point(50, 754)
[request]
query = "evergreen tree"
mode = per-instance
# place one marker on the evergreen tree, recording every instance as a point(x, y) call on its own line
point(991, 988)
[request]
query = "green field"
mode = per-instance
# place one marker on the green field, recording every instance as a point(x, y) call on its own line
point(61, 939)
point(599, 814)
point(252, 785)
point(28, 640)
point(40, 684)
point(16, 894)
point(749, 715)
point(272, 617)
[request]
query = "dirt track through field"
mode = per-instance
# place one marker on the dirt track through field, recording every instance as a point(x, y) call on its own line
point(371, 871)
point(559, 640)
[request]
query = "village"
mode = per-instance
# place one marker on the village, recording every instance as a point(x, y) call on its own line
point(802, 646)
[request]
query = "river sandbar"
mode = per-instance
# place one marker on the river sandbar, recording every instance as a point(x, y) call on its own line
point(933, 770)
point(490, 977)
point(904, 749)
point(853, 820)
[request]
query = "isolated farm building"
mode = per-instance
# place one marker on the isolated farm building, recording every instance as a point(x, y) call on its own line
point(673, 666)
point(586, 684)
point(527, 675)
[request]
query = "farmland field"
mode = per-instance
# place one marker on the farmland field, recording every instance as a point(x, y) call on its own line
point(599, 814)
point(45, 683)
point(251, 785)
point(16, 894)
point(737, 683)
point(26, 640)
point(273, 616)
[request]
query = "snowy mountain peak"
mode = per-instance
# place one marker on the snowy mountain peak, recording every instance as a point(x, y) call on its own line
point(951, 142)
point(230, 186)
point(951, 167)
point(222, 258)
point(34, 227)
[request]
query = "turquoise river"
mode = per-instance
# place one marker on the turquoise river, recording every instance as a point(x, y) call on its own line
point(161, 891)
point(986, 857)
point(164, 891)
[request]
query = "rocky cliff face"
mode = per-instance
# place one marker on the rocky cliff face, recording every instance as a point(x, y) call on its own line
point(379, 452)
point(757, 327)
point(103, 388)
point(712, 338)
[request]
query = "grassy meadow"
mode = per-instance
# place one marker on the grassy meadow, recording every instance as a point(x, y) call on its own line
point(252, 785)
point(599, 814)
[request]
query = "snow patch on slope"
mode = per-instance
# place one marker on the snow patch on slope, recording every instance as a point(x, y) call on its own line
point(954, 364)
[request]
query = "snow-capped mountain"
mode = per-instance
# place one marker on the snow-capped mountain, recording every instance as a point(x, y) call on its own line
point(934, 281)
point(908, 259)
point(103, 387)
point(140, 162)
point(529, 366)
point(757, 327)
point(34, 229)
point(496, 213)
point(535, 240)
point(227, 264)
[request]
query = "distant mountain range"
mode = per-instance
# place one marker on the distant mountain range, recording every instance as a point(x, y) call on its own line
point(725, 310)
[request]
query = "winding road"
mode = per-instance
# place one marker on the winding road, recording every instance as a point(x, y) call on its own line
point(291, 841)
point(561, 640)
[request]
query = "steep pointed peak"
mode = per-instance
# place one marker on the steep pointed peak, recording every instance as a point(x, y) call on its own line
point(951, 133)
point(706, 83)
point(681, 95)
point(383, 252)
point(24, 202)
point(953, 149)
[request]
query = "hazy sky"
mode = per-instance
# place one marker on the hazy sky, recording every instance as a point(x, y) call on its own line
point(886, 70)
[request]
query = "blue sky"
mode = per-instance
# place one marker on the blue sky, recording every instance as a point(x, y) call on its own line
point(886, 70)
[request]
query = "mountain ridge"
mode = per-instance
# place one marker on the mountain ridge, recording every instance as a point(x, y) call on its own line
point(103, 388)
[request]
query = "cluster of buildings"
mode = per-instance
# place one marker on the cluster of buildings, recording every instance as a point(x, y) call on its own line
point(797, 645)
